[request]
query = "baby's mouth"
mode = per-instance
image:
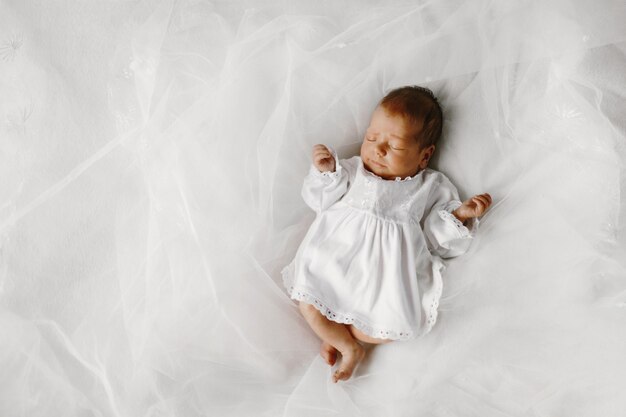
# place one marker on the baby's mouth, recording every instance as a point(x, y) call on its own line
point(377, 164)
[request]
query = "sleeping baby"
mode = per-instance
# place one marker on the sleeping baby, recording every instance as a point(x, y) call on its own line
point(369, 268)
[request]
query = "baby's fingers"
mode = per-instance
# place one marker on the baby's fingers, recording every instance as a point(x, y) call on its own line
point(481, 204)
point(323, 158)
point(320, 148)
point(321, 152)
point(483, 198)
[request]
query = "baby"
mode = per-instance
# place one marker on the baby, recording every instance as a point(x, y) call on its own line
point(369, 268)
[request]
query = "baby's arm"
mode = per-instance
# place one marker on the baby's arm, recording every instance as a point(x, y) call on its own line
point(448, 224)
point(327, 181)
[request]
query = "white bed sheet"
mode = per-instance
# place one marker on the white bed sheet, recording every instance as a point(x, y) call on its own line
point(151, 157)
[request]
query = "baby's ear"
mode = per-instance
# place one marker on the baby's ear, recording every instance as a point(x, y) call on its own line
point(425, 156)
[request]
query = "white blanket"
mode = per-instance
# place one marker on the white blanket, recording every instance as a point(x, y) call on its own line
point(151, 159)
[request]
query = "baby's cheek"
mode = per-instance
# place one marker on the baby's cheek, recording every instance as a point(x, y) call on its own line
point(409, 162)
point(363, 150)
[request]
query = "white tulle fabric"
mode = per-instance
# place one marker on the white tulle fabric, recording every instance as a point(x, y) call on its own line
point(151, 160)
point(366, 259)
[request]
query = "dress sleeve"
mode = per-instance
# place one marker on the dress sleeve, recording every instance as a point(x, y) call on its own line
point(322, 189)
point(446, 236)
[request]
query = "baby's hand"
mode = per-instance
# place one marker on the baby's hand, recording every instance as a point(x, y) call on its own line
point(473, 207)
point(323, 159)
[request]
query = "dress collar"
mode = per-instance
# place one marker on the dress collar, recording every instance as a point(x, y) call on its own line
point(397, 179)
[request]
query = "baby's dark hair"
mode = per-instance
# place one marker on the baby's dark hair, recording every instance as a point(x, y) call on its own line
point(420, 108)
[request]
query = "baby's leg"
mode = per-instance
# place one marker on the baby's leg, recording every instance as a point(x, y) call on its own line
point(329, 353)
point(359, 335)
point(337, 335)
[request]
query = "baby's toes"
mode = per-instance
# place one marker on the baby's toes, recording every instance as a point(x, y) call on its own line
point(340, 375)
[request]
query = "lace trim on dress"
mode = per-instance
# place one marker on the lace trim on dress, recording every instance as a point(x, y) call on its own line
point(330, 174)
point(397, 179)
point(448, 216)
point(437, 290)
point(344, 318)
point(431, 309)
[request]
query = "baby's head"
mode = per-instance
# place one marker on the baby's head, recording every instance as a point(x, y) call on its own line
point(402, 133)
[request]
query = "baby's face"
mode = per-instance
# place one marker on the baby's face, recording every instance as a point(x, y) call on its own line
point(389, 151)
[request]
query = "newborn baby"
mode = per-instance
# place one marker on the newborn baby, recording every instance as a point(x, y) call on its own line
point(369, 268)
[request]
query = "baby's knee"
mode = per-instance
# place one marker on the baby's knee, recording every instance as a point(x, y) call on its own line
point(359, 335)
point(306, 308)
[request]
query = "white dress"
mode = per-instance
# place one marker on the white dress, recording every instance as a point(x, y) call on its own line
point(372, 256)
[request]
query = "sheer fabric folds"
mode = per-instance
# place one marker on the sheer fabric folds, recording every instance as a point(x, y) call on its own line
point(151, 159)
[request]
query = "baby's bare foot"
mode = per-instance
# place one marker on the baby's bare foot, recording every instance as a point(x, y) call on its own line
point(329, 353)
point(349, 360)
